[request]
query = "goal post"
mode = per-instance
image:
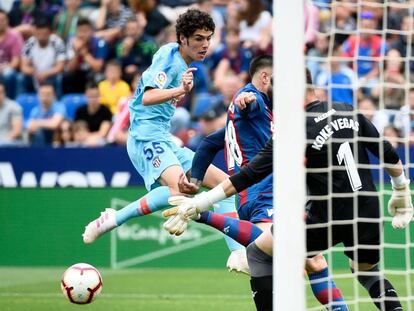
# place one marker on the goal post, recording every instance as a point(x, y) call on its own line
point(289, 142)
point(394, 120)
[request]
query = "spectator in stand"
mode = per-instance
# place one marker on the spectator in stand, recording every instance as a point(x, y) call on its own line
point(339, 79)
point(342, 20)
point(80, 133)
point(23, 15)
point(86, 55)
point(111, 19)
point(171, 9)
point(64, 135)
point(97, 117)
point(6, 5)
point(393, 94)
point(231, 56)
point(378, 117)
point(89, 6)
point(311, 13)
point(228, 87)
point(156, 22)
point(118, 133)
point(401, 44)
point(211, 113)
point(66, 21)
point(11, 43)
point(404, 120)
point(136, 49)
point(370, 45)
point(112, 89)
point(392, 134)
point(11, 120)
point(43, 59)
point(208, 6)
point(255, 25)
point(46, 118)
point(317, 53)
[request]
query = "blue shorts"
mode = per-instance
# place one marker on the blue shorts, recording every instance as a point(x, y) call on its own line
point(257, 209)
point(151, 158)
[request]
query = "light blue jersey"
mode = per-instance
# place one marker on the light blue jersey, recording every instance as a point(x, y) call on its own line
point(150, 146)
point(148, 123)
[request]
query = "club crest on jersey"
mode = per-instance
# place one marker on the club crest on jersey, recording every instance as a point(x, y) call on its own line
point(160, 79)
point(156, 162)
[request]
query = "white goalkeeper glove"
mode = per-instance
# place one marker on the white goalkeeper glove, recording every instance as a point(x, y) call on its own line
point(176, 224)
point(184, 209)
point(190, 208)
point(400, 205)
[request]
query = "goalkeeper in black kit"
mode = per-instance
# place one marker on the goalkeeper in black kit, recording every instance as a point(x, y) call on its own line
point(338, 141)
point(343, 205)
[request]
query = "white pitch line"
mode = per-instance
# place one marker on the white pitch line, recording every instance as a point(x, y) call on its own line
point(133, 296)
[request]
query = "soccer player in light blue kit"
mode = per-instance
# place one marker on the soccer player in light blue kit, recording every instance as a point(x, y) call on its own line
point(150, 147)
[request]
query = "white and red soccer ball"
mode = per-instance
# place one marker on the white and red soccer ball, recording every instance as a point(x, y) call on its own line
point(81, 283)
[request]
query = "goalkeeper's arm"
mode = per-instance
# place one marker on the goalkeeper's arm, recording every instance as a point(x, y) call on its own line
point(400, 204)
point(255, 171)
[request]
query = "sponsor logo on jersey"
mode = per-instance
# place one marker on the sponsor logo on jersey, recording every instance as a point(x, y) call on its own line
point(226, 229)
point(270, 212)
point(156, 162)
point(324, 116)
point(160, 79)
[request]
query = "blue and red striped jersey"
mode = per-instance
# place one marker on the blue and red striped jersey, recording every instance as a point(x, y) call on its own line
point(247, 132)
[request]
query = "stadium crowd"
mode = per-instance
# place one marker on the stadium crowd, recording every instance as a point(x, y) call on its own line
point(68, 67)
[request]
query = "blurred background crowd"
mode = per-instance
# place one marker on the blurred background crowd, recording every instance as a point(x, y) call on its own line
point(68, 67)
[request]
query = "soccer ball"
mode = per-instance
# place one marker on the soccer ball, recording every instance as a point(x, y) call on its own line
point(81, 283)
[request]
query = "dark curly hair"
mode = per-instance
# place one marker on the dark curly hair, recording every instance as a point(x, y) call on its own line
point(190, 21)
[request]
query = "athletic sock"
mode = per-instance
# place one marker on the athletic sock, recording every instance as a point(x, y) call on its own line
point(241, 231)
point(261, 271)
point(227, 207)
point(262, 288)
point(153, 201)
point(324, 289)
point(379, 287)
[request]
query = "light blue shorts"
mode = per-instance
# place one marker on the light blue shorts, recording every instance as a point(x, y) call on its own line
point(151, 158)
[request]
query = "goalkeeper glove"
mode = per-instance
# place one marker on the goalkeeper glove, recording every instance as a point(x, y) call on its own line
point(176, 224)
point(189, 207)
point(400, 205)
point(179, 215)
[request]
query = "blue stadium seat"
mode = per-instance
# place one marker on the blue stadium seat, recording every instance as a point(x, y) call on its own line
point(72, 102)
point(27, 101)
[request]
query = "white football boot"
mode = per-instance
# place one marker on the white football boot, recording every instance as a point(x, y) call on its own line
point(237, 261)
point(99, 226)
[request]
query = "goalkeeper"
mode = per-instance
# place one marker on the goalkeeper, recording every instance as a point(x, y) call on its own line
point(353, 179)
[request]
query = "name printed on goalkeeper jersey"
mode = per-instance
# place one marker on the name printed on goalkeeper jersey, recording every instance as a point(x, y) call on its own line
point(328, 130)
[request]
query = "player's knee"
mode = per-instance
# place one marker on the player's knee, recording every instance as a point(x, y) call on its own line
point(361, 266)
point(260, 263)
point(316, 263)
point(174, 191)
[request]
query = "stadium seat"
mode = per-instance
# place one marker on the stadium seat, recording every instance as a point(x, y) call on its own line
point(27, 101)
point(72, 102)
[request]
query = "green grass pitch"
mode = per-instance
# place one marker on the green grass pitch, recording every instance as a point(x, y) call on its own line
point(38, 289)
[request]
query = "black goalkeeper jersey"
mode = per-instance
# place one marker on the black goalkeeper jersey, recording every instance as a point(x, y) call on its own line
point(338, 141)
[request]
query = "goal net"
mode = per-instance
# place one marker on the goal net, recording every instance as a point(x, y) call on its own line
point(359, 53)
